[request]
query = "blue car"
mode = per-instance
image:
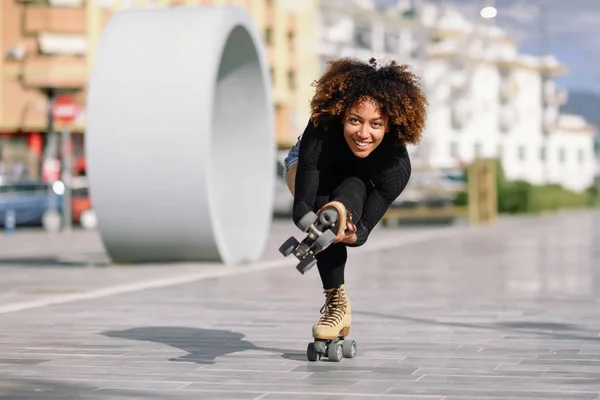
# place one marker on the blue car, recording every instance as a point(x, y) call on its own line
point(28, 201)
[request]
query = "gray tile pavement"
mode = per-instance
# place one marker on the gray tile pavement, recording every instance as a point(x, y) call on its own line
point(501, 312)
point(37, 266)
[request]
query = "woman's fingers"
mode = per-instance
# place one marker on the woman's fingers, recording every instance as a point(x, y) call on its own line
point(350, 228)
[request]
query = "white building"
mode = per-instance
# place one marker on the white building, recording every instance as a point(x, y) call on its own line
point(570, 153)
point(485, 98)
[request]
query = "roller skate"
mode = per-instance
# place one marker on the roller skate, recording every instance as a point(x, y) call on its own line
point(332, 328)
point(321, 228)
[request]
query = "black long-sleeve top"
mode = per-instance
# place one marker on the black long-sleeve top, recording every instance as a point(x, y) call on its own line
point(325, 159)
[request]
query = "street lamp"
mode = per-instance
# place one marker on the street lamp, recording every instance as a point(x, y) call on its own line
point(489, 12)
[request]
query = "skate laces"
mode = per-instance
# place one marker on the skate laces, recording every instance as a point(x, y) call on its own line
point(334, 308)
point(348, 217)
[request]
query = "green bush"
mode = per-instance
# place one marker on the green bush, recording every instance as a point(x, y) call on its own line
point(515, 197)
point(554, 197)
point(594, 196)
point(461, 199)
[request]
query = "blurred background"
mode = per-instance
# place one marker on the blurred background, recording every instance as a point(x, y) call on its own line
point(511, 81)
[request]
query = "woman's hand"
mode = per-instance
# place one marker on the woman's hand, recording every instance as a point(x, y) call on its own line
point(348, 236)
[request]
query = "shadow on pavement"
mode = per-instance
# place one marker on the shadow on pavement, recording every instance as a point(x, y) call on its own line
point(16, 388)
point(203, 345)
point(50, 261)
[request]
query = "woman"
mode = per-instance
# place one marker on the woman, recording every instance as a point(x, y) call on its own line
point(352, 156)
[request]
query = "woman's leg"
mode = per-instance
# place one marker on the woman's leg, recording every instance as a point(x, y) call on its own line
point(289, 166)
point(290, 177)
point(331, 262)
point(337, 313)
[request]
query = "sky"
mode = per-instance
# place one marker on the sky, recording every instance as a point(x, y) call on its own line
point(572, 32)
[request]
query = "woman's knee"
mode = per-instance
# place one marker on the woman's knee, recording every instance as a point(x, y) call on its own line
point(352, 192)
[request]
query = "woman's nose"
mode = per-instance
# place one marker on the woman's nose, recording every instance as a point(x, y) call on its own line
point(363, 133)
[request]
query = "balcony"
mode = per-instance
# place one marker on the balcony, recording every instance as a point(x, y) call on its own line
point(549, 66)
point(553, 95)
point(56, 3)
point(269, 15)
point(442, 49)
point(54, 19)
point(62, 44)
point(572, 123)
point(55, 72)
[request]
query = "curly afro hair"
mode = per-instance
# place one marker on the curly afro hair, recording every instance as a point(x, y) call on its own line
point(396, 90)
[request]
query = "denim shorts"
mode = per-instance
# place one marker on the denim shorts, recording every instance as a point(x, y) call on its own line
point(292, 158)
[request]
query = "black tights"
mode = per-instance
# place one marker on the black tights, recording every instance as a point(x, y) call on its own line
point(331, 262)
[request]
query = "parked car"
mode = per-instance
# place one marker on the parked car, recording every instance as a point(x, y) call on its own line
point(28, 201)
point(430, 189)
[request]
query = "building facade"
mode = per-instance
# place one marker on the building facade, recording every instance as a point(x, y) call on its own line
point(48, 48)
point(486, 99)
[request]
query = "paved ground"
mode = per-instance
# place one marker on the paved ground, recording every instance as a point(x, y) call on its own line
point(38, 268)
point(502, 312)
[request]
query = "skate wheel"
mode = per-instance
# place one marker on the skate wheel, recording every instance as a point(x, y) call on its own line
point(324, 240)
point(328, 217)
point(306, 221)
point(288, 246)
point(320, 347)
point(349, 348)
point(334, 352)
point(305, 264)
point(311, 352)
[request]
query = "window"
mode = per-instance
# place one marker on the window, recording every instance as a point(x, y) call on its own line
point(477, 149)
point(362, 36)
point(292, 80)
point(562, 156)
point(269, 36)
point(391, 42)
point(581, 156)
point(522, 153)
point(454, 150)
point(290, 37)
point(543, 153)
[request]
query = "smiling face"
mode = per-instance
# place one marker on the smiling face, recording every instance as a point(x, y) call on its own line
point(364, 127)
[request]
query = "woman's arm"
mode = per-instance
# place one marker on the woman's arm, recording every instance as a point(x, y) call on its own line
point(307, 172)
point(391, 184)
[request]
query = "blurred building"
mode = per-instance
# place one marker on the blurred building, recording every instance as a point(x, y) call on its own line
point(486, 99)
point(48, 48)
point(355, 28)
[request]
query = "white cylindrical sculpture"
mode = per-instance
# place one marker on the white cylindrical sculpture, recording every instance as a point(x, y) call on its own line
point(180, 139)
